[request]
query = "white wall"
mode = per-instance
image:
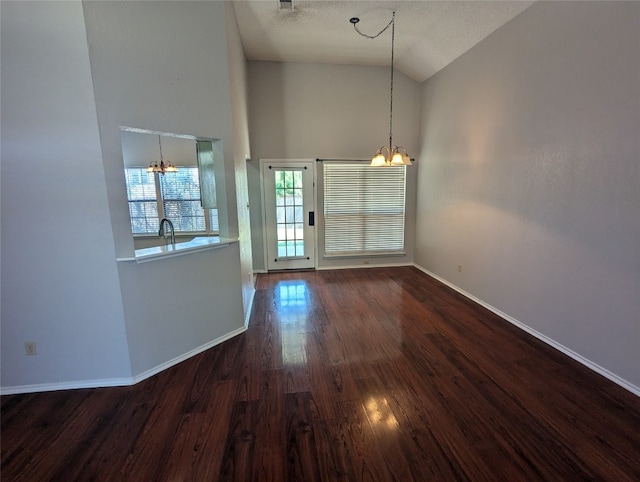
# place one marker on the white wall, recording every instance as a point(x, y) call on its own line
point(170, 314)
point(255, 216)
point(328, 111)
point(163, 66)
point(141, 148)
point(60, 284)
point(530, 177)
point(146, 78)
point(241, 149)
point(307, 111)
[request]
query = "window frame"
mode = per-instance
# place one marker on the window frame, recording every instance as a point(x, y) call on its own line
point(159, 202)
point(373, 185)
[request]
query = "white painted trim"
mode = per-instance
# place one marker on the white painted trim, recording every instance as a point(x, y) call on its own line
point(49, 387)
point(356, 266)
point(247, 317)
point(122, 381)
point(540, 336)
point(294, 163)
point(168, 364)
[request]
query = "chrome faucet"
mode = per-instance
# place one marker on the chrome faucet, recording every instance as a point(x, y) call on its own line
point(161, 231)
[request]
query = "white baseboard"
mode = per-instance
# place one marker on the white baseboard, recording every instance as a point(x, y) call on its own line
point(356, 266)
point(121, 381)
point(350, 266)
point(540, 336)
point(168, 364)
point(50, 387)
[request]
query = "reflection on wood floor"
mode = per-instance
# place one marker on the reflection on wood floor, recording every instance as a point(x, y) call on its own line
point(371, 374)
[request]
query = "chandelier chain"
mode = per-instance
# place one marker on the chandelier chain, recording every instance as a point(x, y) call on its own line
point(355, 26)
point(393, 35)
point(387, 155)
point(392, 24)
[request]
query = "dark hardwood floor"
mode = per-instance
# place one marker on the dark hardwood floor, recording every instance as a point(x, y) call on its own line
point(371, 374)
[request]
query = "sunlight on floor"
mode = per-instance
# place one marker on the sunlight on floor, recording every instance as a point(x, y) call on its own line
point(379, 413)
point(293, 313)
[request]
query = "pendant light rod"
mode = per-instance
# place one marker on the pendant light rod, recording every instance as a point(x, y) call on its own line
point(160, 144)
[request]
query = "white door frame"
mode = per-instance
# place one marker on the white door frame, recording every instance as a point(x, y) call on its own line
point(311, 163)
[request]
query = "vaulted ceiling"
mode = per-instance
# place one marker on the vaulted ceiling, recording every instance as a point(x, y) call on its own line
point(428, 36)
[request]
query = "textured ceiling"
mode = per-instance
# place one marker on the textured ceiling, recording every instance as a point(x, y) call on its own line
point(429, 34)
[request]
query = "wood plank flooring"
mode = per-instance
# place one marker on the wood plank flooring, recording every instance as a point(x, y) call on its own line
point(370, 374)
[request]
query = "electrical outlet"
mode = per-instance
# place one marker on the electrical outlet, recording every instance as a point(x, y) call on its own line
point(459, 268)
point(30, 348)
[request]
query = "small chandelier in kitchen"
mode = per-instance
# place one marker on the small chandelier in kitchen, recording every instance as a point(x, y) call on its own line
point(162, 167)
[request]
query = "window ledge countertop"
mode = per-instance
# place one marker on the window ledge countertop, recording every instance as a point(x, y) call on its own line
point(200, 243)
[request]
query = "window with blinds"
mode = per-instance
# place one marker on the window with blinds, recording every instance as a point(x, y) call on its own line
point(180, 193)
point(364, 209)
point(143, 203)
point(175, 196)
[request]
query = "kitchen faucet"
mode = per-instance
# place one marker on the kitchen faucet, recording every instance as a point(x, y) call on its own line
point(161, 231)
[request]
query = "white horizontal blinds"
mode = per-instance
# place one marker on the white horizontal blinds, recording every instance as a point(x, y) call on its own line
point(363, 208)
point(143, 205)
point(179, 192)
point(181, 199)
point(214, 225)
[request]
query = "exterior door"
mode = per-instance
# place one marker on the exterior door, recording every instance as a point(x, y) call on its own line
point(289, 216)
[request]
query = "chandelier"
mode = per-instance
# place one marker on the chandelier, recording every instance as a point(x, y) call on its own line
point(162, 167)
point(390, 155)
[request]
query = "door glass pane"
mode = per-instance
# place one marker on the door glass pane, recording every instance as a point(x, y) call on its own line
point(299, 236)
point(289, 213)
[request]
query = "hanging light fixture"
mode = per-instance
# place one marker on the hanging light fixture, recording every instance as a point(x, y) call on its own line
point(162, 167)
point(390, 155)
